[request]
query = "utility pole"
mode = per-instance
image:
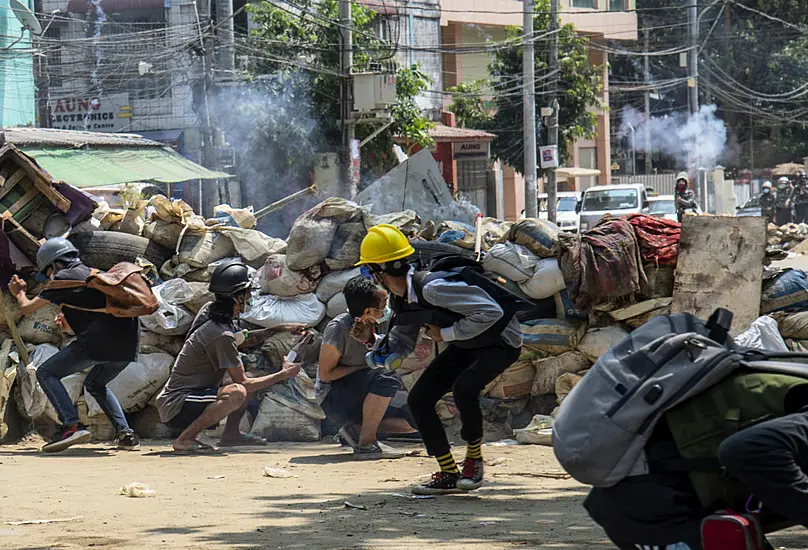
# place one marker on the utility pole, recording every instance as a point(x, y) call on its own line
point(348, 185)
point(226, 58)
point(647, 100)
point(693, 84)
point(552, 184)
point(529, 112)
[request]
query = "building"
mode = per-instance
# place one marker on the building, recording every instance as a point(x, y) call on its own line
point(16, 71)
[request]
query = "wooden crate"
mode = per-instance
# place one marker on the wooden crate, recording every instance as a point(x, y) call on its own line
point(24, 186)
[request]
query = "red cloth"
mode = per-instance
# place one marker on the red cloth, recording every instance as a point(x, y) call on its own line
point(658, 238)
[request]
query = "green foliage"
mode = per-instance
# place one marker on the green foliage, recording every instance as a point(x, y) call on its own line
point(579, 86)
point(469, 107)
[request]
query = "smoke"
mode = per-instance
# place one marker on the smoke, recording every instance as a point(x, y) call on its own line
point(689, 139)
point(95, 12)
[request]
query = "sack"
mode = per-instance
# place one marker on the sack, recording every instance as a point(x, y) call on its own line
point(152, 342)
point(171, 318)
point(660, 280)
point(253, 247)
point(336, 305)
point(166, 234)
point(514, 262)
point(537, 236)
point(727, 530)
point(597, 341)
point(34, 401)
point(554, 336)
point(456, 233)
point(638, 314)
point(133, 221)
point(289, 412)
point(546, 281)
point(564, 385)
point(548, 370)
point(200, 295)
point(785, 292)
point(333, 283)
point(603, 425)
point(276, 347)
point(275, 277)
point(538, 432)
point(762, 334)
point(420, 358)
point(176, 211)
point(127, 290)
point(40, 327)
point(136, 384)
point(566, 309)
point(200, 250)
point(270, 311)
point(235, 217)
point(516, 381)
point(407, 221)
point(793, 325)
point(344, 251)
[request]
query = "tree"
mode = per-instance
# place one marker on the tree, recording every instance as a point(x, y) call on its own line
point(469, 106)
point(579, 86)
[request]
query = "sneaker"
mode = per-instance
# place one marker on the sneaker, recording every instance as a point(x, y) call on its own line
point(69, 436)
point(377, 451)
point(443, 483)
point(127, 440)
point(472, 477)
point(348, 435)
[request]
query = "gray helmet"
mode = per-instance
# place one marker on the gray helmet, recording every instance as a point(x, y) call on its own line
point(230, 278)
point(54, 250)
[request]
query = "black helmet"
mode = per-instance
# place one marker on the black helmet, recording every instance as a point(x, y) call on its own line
point(230, 278)
point(54, 250)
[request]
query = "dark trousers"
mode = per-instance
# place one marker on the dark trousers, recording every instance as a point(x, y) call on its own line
point(801, 213)
point(783, 216)
point(466, 372)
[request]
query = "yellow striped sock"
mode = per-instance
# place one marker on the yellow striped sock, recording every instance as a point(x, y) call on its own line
point(475, 450)
point(447, 463)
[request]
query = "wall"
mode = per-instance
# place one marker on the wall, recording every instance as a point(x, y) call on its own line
point(16, 72)
point(420, 27)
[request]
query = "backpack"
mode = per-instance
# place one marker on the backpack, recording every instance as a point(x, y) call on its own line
point(127, 291)
point(603, 425)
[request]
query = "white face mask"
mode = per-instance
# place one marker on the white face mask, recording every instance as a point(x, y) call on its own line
point(386, 315)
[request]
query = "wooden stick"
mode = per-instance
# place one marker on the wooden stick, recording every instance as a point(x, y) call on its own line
point(14, 334)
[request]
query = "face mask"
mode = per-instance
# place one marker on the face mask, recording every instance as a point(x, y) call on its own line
point(766, 190)
point(385, 315)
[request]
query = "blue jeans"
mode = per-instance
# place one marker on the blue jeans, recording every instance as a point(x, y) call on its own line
point(69, 361)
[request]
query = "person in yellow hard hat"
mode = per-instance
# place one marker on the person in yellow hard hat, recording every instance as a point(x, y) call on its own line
point(482, 338)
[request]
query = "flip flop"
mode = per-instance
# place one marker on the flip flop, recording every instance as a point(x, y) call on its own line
point(198, 448)
point(244, 440)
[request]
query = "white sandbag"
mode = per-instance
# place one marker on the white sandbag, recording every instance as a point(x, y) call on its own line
point(336, 305)
point(762, 334)
point(514, 262)
point(136, 384)
point(34, 400)
point(538, 432)
point(270, 311)
point(553, 336)
point(516, 381)
point(200, 295)
point(201, 250)
point(333, 283)
point(40, 327)
point(546, 281)
point(564, 385)
point(548, 370)
point(253, 246)
point(171, 319)
point(237, 217)
point(538, 235)
point(598, 341)
point(275, 277)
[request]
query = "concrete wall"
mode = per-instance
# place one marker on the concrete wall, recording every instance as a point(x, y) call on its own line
point(16, 71)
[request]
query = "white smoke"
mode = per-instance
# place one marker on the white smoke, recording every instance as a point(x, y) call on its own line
point(694, 139)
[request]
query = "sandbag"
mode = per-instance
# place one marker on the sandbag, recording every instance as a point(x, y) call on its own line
point(152, 342)
point(762, 334)
point(548, 370)
point(538, 432)
point(201, 250)
point(270, 311)
point(793, 325)
point(253, 246)
point(235, 217)
point(12, 310)
point(554, 336)
point(566, 309)
point(456, 233)
point(598, 341)
point(276, 347)
point(333, 283)
point(171, 319)
point(40, 327)
point(344, 251)
point(166, 234)
point(514, 262)
point(200, 295)
point(336, 305)
point(420, 358)
point(275, 277)
point(407, 221)
point(564, 385)
point(660, 280)
point(34, 400)
point(638, 314)
point(536, 235)
point(494, 231)
point(516, 381)
point(546, 281)
point(176, 211)
point(289, 412)
point(136, 384)
point(785, 292)
point(133, 221)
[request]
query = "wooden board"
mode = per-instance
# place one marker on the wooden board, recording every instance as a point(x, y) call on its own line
point(721, 265)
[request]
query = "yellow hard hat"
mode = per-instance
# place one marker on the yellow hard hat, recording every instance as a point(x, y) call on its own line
point(384, 243)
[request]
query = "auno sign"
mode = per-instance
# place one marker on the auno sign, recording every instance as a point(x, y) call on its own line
point(105, 114)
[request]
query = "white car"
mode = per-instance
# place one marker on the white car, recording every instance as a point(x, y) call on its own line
point(664, 206)
point(616, 200)
point(566, 214)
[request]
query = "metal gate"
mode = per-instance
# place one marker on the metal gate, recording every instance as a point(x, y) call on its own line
point(472, 182)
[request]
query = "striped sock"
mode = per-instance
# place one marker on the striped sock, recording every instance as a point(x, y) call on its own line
point(447, 463)
point(475, 450)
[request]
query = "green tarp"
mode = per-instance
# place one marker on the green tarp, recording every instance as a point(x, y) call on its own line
point(115, 165)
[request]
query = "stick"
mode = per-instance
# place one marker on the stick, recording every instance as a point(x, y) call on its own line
point(478, 236)
point(14, 334)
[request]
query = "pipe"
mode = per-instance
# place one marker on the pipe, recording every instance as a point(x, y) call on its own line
point(277, 205)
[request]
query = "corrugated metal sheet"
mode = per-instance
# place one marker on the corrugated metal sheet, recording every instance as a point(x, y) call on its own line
point(48, 137)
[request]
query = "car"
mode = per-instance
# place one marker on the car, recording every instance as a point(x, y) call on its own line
point(664, 206)
point(616, 200)
point(750, 208)
point(566, 210)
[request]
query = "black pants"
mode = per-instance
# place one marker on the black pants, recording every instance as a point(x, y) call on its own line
point(466, 372)
point(783, 216)
point(802, 213)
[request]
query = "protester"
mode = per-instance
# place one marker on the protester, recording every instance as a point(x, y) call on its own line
point(105, 344)
point(365, 399)
point(482, 343)
point(767, 200)
point(784, 201)
point(685, 197)
point(194, 399)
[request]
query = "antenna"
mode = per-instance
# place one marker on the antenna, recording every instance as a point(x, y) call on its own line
point(25, 16)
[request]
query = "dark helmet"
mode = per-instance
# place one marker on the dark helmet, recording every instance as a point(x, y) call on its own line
point(54, 250)
point(230, 278)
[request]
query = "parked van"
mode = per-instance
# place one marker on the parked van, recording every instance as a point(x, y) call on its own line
point(566, 210)
point(616, 200)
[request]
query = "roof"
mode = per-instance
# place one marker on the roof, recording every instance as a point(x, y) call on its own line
point(441, 132)
point(50, 137)
point(616, 186)
point(576, 172)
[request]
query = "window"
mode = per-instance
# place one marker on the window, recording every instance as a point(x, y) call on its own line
point(584, 4)
point(567, 204)
point(617, 5)
point(54, 55)
point(663, 206)
point(611, 199)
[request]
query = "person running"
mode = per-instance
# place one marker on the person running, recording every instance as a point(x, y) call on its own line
point(194, 399)
point(105, 344)
point(481, 343)
point(365, 399)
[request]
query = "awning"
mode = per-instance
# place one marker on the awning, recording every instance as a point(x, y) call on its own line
point(114, 165)
point(575, 172)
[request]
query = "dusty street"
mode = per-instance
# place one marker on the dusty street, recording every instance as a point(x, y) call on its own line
point(195, 507)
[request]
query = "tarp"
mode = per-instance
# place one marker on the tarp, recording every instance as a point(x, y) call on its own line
point(114, 165)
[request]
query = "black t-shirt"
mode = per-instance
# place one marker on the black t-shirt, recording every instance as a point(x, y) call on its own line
point(103, 336)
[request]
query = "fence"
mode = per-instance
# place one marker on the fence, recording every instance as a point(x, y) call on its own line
point(664, 184)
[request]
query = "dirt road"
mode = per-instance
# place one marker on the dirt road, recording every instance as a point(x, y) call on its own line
point(195, 507)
